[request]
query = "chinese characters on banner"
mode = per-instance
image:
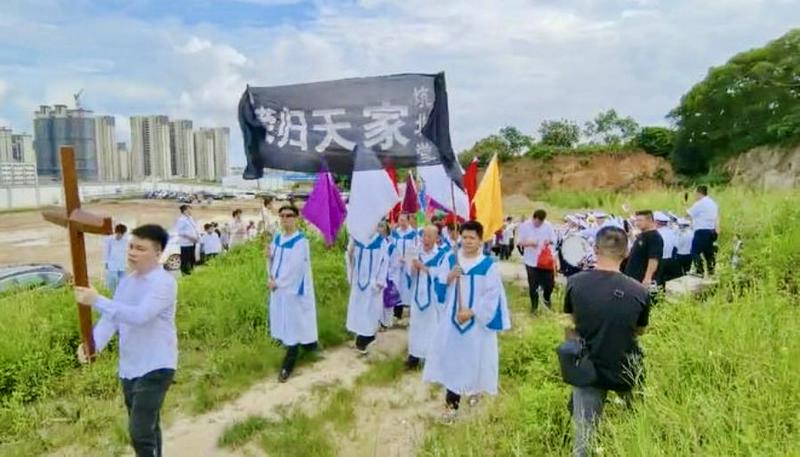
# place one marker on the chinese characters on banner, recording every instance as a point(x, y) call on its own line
point(403, 118)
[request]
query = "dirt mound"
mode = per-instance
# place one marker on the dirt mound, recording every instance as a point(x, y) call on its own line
point(630, 171)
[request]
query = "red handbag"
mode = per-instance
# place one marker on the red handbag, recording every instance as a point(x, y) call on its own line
point(546, 260)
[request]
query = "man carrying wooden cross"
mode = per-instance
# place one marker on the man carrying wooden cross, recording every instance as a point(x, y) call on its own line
point(142, 311)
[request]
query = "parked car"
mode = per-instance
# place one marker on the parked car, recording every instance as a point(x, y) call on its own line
point(32, 276)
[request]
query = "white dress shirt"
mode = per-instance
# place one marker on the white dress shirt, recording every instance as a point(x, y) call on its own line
point(188, 234)
point(527, 233)
point(704, 214)
point(211, 243)
point(143, 313)
point(670, 241)
point(116, 253)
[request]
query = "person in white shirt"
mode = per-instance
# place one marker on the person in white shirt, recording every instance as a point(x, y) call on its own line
point(705, 220)
point(210, 242)
point(685, 237)
point(188, 237)
point(142, 312)
point(536, 236)
point(116, 255)
point(668, 267)
point(507, 239)
point(238, 229)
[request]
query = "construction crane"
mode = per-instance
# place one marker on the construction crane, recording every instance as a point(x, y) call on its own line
point(77, 98)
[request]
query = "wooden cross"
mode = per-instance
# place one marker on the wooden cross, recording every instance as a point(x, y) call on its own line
point(78, 222)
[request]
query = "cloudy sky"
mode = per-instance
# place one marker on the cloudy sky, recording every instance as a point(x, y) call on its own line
point(508, 62)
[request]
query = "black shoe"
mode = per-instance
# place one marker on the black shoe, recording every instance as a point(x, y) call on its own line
point(283, 376)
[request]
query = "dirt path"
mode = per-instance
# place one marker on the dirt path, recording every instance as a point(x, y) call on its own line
point(197, 436)
point(390, 419)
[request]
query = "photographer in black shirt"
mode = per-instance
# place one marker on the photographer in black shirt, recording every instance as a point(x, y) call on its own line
point(609, 310)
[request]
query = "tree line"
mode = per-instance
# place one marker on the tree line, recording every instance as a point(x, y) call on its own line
point(752, 100)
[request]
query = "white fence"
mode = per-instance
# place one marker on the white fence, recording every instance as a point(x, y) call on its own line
point(52, 194)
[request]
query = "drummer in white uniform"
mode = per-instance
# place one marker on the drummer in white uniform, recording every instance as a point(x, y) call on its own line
point(668, 268)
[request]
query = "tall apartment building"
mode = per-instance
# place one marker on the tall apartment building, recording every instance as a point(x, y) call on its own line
point(58, 126)
point(5, 144)
point(182, 156)
point(107, 159)
point(124, 162)
point(150, 148)
point(222, 146)
point(22, 148)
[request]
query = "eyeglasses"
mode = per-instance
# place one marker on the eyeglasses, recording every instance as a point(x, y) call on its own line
point(287, 215)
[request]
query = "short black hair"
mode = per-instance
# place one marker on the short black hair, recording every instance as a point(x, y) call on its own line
point(648, 213)
point(472, 226)
point(184, 208)
point(207, 226)
point(702, 189)
point(291, 208)
point(540, 214)
point(612, 242)
point(236, 211)
point(152, 232)
point(121, 229)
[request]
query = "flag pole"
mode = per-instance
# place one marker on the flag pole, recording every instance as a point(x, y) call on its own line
point(455, 247)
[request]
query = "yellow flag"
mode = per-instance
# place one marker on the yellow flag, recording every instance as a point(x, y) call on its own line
point(489, 201)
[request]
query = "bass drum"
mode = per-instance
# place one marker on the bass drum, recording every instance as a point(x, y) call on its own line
point(576, 254)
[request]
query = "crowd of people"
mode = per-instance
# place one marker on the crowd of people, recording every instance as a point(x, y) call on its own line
point(441, 274)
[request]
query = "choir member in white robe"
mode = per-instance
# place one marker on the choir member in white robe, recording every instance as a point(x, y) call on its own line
point(292, 303)
point(685, 237)
point(369, 269)
point(406, 239)
point(425, 281)
point(391, 296)
point(463, 355)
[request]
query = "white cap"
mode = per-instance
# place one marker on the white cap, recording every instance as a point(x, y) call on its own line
point(599, 214)
point(682, 221)
point(661, 217)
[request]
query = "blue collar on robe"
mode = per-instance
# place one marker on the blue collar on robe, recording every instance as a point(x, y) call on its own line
point(288, 244)
point(434, 261)
point(412, 234)
point(480, 269)
point(374, 245)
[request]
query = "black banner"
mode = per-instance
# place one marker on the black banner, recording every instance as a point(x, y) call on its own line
point(403, 118)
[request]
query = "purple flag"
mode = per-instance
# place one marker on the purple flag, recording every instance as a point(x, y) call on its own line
point(325, 208)
point(410, 201)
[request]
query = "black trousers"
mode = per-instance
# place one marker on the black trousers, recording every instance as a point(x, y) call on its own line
point(292, 352)
point(398, 312)
point(187, 259)
point(703, 249)
point(539, 277)
point(452, 399)
point(363, 341)
point(143, 399)
point(685, 261)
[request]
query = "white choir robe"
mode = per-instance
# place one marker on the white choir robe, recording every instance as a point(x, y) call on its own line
point(292, 305)
point(406, 242)
point(367, 280)
point(425, 301)
point(464, 358)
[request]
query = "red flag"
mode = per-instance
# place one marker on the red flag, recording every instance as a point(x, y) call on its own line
point(471, 185)
point(410, 200)
point(395, 213)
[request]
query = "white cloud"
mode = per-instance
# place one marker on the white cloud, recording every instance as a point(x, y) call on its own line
point(518, 62)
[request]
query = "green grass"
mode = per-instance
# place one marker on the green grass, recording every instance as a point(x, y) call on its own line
point(240, 433)
point(382, 372)
point(721, 371)
point(47, 401)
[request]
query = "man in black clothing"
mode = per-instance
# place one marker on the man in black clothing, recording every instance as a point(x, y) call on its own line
point(647, 250)
point(609, 310)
